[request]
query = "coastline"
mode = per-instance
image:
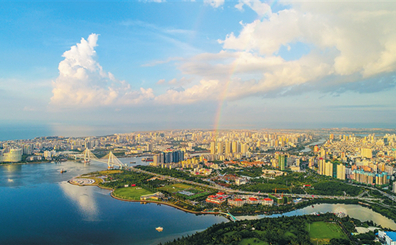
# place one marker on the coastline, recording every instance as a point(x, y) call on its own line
point(22, 163)
point(145, 201)
point(244, 213)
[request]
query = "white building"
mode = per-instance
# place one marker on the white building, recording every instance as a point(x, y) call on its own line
point(11, 155)
point(387, 237)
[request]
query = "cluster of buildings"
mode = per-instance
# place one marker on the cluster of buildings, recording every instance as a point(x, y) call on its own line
point(368, 160)
point(231, 145)
point(241, 200)
point(219, 198)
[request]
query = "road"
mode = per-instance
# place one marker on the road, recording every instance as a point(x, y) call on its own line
point(228, 190)
point(392, 197)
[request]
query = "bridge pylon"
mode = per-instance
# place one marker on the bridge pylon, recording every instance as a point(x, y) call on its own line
point(88, 156)
point(113, 160)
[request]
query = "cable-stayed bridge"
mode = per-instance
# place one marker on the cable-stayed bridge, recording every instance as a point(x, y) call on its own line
point(111, 160)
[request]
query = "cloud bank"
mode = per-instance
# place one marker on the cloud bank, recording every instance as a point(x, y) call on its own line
point(350, 45)
point(83, 82)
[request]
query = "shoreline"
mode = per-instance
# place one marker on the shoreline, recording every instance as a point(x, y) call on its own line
point(210, 213)
point(272, 212)
point(144, 201)
point(22, 163)
point(161, 202)
point(147, 201)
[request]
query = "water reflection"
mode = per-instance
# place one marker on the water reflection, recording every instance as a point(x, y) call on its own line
point(11, 173)
point(354, 211)
point(83, 197)
point(11, 168)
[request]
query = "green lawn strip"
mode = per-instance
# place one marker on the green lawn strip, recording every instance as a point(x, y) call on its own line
point(198, 195)
point(322, 232)
point(131, 193)
point(252, 241)
point(175, 187)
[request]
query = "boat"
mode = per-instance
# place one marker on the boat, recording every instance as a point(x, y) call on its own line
point(62, 171)
point(159, 229)
point(147, 159)
point(133, 162)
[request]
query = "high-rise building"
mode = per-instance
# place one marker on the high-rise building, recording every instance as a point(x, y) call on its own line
point(212, 148)
point(282, 160)
point(311, 162)
point(244, 148)
point(27, 149)
point(323, 153)
point(341, 172)
point(149, 147)
point(366, 152)
point(328, 169)
point(321, 166)
point(220, 148)
point(227, 147)
point(234, 147)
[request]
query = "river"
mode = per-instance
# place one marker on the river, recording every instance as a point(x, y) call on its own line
point(39, 206)
point(319, 142)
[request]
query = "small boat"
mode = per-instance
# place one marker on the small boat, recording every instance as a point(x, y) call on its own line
point(159, 229)
point(62, 171)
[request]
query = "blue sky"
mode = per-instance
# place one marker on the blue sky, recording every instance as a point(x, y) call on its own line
point(182, 64)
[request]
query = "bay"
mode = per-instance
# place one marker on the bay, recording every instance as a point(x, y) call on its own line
point(39, 206)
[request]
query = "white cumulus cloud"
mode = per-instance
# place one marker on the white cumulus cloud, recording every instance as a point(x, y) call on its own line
point(214, 3)
point(259, 7)
point(349, 42)
point(83, 82)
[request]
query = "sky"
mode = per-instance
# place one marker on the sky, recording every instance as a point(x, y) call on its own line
point(211, 64)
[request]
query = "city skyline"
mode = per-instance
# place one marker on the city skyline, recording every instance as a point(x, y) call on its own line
point(153, 65)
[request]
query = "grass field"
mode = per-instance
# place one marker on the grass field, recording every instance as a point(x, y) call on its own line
point(131, 193)
point(322, 232)
point(106, 172)
point(176, 187)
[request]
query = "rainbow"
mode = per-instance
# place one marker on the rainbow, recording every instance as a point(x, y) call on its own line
point(223, 94)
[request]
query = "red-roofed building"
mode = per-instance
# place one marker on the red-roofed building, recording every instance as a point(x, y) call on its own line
point(267, 201)
point(252, 200)
point(238, 202)
point(219, 198)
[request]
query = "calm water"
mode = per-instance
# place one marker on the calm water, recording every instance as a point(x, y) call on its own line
point(38, 206)
point(354, 211)
point(320, 142)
